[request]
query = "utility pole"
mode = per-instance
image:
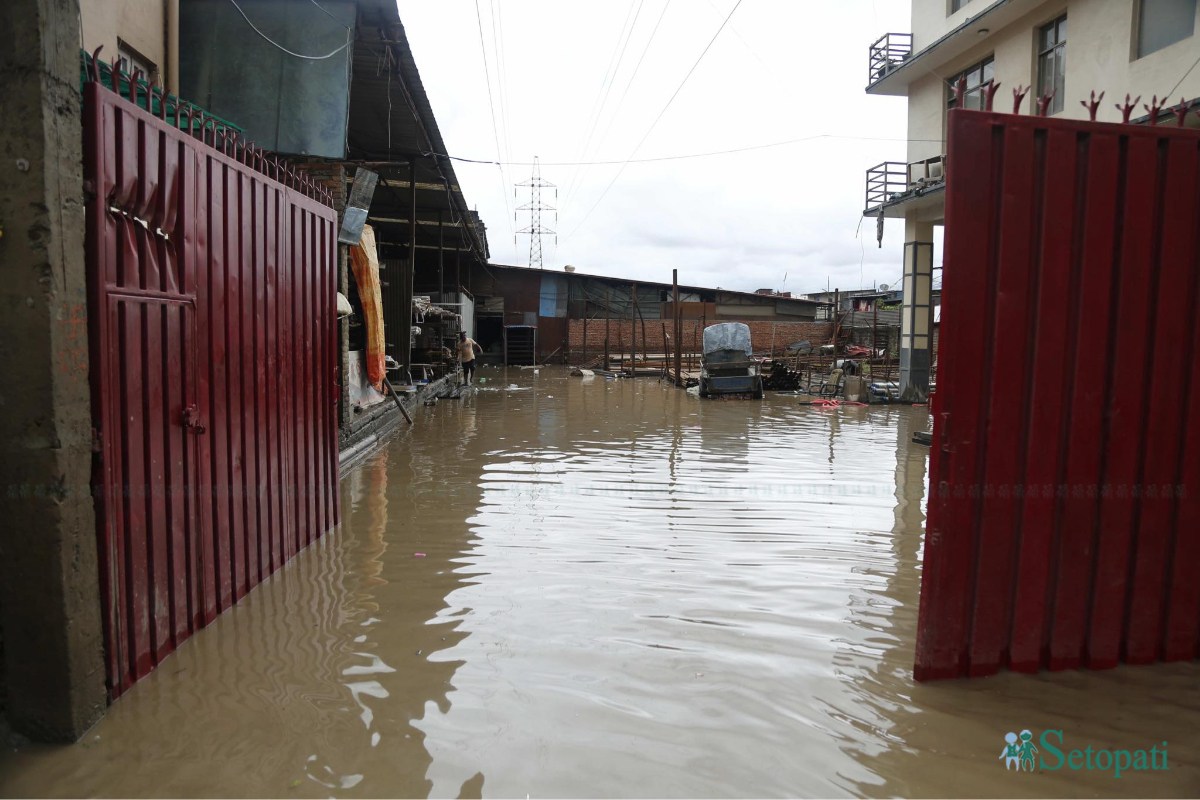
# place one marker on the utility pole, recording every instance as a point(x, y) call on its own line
point(535, 230)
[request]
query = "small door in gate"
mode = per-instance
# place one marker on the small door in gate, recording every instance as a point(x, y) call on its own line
point(151, 558)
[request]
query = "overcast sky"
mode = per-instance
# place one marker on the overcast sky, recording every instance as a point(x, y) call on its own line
point(575, 81)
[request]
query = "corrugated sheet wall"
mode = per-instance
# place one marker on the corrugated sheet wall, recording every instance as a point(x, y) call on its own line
point(1064, 521)
point(213, 345)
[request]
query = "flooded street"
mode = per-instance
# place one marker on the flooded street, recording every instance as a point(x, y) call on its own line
point(574, 587)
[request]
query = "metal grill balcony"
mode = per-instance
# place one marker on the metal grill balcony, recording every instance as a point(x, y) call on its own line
point(887, 53)
point(894, 182)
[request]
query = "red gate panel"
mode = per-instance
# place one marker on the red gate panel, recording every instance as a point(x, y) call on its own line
point(212, 297)
point(1064, 516)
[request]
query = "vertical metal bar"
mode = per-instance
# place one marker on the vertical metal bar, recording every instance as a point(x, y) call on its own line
point(406, 296)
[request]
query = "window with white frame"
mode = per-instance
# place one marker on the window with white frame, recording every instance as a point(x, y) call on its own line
point(1163, 22)
point(977, 76)
point(131, 60)
point(1052, 62)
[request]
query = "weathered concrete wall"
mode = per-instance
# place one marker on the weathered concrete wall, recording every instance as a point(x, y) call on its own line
point(49, 582)
point(141, 24)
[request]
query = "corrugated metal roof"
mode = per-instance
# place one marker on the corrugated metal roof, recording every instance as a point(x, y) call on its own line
point(660, 284)
point(392, 124)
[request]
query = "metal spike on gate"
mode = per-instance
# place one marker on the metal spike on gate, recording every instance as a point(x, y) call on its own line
point(1180, 111)
point(960, 91)
point(1092, 105)
point(1019, 93)
point(94, 71)
point(1043, 103)
point(1127, 108)
point(1154, 109)
point(989, 94)
point(135, 88)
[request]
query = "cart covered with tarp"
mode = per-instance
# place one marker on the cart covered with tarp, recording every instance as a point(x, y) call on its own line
point(727, 367)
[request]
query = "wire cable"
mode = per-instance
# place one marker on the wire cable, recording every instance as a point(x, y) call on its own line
point(1184, 78)
point(654, 124)
point(278, 46)
point(491, 104)
point(681, 157)
point(614, 65)
point(326, 12)
point(633, 76)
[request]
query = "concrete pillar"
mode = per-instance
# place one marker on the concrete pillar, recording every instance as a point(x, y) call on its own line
point(916, 318)
point(50, 622)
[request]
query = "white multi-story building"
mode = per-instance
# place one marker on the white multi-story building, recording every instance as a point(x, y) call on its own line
point(1062, 49)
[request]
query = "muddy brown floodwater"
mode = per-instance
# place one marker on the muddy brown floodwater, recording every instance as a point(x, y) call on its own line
point(624, 590)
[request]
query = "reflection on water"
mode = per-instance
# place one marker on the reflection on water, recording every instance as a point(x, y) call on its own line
point(591, 587)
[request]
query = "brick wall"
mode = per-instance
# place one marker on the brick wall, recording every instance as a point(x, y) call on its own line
point(331, 175)
point(761, 334)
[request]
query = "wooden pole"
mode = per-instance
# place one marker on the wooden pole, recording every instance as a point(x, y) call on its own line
point(396, 397)
point(607, 315)
point(585, 319)
point(633, 331)
point(678, 320)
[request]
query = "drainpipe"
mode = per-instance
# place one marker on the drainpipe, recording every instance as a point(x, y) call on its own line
point(172, 37)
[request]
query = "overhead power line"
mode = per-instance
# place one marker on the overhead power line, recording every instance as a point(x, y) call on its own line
point(610, 73)
point(650, 130)
point(492, 106)
point(633, 76)
point(654, 159)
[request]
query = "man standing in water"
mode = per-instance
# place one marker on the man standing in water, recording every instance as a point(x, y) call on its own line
point(466, 354)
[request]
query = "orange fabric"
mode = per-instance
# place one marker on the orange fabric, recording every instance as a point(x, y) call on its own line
point(364, 261)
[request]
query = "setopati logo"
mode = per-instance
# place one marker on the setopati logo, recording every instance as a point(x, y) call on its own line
point(1051, 754)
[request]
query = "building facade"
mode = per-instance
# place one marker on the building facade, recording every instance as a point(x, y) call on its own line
point(1060, 52)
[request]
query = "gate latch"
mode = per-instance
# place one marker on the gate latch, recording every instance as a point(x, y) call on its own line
point(191, 419)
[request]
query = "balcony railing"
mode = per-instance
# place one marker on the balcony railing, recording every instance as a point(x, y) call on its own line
point(888, 53)
point(894, 181)
point(884, 182)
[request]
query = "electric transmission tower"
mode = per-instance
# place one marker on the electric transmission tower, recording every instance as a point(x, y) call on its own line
point(535, 230)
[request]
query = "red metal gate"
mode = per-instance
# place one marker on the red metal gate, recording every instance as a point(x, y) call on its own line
point(212, 311)
point(1064, 518)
